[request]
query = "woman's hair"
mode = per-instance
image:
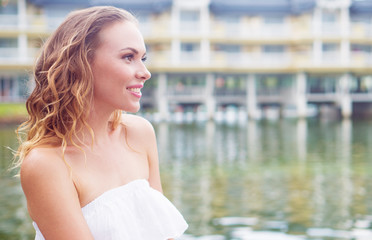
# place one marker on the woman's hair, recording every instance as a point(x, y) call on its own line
point(59, 105)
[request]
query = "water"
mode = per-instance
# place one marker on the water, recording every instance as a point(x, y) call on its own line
point(272, 180)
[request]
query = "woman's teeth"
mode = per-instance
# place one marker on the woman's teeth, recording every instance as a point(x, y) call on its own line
point(137, 90)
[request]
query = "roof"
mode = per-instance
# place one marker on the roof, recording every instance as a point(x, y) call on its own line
point(216, 6)
point(266, 6)
point(136, 5)
point(361, 6)
point(133, 5)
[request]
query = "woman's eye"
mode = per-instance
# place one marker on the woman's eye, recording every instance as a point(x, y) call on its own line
point(144, 59)
point(128, 57)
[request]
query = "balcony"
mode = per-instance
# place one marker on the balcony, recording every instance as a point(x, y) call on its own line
point(361, 59)
point(250, 31)
point(331, 30)
point(189, 93)
point(260, 60)
point(190, 58)
point(275, 30)
point(190, 29)
point(8, 22)
point(158, 29)
point(32, 23)
point(12, 56)
point(332, 58)
point(7, 54)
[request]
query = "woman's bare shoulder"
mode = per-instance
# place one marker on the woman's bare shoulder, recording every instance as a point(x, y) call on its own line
point(46, 181)
point(41, 158)
point(41, 165)
point(137, 123)
point(139, 132)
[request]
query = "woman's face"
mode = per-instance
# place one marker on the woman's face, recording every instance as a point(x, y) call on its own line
point(118, 68)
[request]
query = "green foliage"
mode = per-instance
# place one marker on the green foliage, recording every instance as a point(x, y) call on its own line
point(12, 110)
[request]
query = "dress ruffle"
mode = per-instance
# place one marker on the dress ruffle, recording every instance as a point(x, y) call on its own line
point(132, 211)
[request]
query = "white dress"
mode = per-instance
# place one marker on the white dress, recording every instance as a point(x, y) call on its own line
point(134, 211)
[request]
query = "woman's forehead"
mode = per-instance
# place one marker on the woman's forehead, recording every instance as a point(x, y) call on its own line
point(122, 35)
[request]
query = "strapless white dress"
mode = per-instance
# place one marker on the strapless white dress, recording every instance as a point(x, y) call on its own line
point(134, 211)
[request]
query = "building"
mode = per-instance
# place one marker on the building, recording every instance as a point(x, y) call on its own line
point(211, 57)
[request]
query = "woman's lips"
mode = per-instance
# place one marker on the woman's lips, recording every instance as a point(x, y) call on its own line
point(135, 90)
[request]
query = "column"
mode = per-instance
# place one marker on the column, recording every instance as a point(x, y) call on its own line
point(345, 21)
point(204, 19)
point(210, 101)
point(176, 51)
point(162, 98)
point(22, 25)
point(317, 51)
point(317, 32)
point(22, 14)
point(317, 21)
point(344, 98)
point(205, 51)
point(22, 47)
point(251, 97)
point(15, 90)
point(300, 96)
point(175, 18)
point(345, 51)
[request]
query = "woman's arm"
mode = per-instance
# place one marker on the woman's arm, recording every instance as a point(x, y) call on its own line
point(153, 159)
point(152, 156)
point(52, 199)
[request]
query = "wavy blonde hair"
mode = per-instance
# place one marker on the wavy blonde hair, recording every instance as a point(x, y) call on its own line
point(58, 105)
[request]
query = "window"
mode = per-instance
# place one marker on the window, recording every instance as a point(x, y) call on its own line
point(189, 47)
point(230, 48)
point(273, 48)
point(8, 7)
point(364, 19)
point(329, 17)
point(189, 16)
point(330, 47)
point(273, 19)
point(361, 48)
point(8, 43)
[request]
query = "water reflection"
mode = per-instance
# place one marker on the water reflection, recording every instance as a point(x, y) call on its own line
point(302, 179)
point(257, 180)
point(14, 219)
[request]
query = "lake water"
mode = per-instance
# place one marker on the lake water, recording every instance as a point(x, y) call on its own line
point(258, 180)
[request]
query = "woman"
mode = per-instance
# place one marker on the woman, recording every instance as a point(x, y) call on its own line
point(87, 171)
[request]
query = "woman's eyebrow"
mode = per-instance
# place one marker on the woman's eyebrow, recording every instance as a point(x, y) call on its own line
point(131, 49)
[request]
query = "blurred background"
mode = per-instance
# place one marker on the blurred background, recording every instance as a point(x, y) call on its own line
point(262, 111)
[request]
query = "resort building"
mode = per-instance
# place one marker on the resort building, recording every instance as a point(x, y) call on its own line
point(269, 58)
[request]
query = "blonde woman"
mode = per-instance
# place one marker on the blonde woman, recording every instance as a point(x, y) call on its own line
point(87, 171)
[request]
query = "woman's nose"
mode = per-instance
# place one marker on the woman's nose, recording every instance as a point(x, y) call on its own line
point(143, 73)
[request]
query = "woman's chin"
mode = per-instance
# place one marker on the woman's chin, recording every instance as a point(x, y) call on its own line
point(131, 110)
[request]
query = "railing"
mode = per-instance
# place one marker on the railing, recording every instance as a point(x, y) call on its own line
point(12, 56)
point(31, 23)
point(361, 59)
point(229, 92)
point(189, 28)
point(9, 53)
point(193, 58)
point(155, 29)
point(8, 21)
point(276, 30)
point(251, 59)
point(331, 58)
point(331, 29)
point(275, 59)
point(185, 90)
